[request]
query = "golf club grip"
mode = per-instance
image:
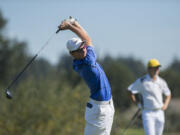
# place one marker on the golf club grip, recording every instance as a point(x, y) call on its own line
point(58, 31)
point(22, 71)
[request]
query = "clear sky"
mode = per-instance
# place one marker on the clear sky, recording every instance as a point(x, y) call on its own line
point(138, 28)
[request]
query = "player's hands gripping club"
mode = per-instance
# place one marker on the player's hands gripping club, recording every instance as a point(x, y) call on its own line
point(65, 24)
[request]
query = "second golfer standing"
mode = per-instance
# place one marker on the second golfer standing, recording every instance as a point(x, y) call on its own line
point(152, 88)
point(100, 109)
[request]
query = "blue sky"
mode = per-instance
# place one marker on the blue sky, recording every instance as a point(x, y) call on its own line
point(140, 29)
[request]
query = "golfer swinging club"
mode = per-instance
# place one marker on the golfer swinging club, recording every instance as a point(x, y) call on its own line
point(99, 110)
point(151, 87)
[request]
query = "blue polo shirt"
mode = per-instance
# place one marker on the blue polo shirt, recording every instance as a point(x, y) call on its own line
point(93, 75)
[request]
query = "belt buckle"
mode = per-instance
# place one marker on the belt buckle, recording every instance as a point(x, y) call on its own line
point(89, 105)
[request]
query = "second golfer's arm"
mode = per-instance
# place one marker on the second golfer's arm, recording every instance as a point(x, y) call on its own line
point(133, 98)
point(166, 102)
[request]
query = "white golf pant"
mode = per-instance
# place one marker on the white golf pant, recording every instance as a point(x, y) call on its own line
point(153, 121)
point(99, 117)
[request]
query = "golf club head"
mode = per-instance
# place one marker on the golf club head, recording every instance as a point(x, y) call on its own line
point(8, 94)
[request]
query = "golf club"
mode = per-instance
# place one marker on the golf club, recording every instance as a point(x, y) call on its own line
point(131, 121)
point(7, 90)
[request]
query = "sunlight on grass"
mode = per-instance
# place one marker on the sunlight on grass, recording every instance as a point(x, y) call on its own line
point(133, 132)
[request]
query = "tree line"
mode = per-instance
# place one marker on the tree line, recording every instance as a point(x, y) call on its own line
point(50, 99)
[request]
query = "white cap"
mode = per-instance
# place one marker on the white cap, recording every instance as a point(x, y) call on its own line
point(73, 44)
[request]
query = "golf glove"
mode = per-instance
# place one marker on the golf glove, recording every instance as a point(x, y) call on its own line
point(71, 20)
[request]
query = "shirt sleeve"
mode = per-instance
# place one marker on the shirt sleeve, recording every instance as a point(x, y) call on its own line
point(165, 88)
point(135, 87)
point(90, 58)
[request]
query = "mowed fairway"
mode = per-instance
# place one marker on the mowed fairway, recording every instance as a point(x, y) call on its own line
point(132, 132)
point(135, 132)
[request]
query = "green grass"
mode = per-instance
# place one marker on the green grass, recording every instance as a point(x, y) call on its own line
point(138, 131)
point(135, 132)
point(132, 132)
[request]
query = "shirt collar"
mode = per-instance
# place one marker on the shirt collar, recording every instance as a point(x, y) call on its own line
point(150, 79)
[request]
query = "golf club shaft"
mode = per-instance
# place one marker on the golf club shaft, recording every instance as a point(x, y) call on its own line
point(22, 71)
point(29, 63)
point(131, 121)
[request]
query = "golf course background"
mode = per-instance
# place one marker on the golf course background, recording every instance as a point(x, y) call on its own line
point(51, 99)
